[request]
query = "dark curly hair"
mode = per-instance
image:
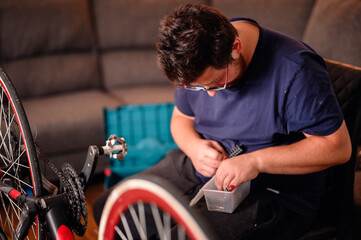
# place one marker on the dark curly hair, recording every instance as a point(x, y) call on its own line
point(192, 38)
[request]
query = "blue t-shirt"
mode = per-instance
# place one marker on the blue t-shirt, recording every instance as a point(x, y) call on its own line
point(285, 91)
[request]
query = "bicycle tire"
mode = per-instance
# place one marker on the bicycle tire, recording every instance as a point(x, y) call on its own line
point(156, 192)
point(19, 165)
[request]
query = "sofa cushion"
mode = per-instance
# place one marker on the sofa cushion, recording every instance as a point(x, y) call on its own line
point(62, 123)
point(334, 30)
point(287, 16)
point(36, 27)
point(53, 74)
point(145, 94)
point(75, 157)
point(130, 67)
point(46, 47)
point(127, 31)
point(130, 23)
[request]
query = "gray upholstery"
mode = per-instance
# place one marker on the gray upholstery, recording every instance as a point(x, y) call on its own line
point(53, 74)
point(46, 46)
point(126, 68)
point(274, 14)
point(37, 27)
point(130, 23)
point(64, 125)
point(78, 119)
point(127, 32)
point(145, 94)
point(334, 30)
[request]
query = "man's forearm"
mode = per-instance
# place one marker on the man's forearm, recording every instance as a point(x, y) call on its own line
point(183, 131)
point(312, 154)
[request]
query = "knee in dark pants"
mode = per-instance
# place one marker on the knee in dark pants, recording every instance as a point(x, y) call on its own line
point(99, 205)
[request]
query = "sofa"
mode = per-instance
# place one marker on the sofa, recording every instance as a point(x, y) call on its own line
point(68, 59)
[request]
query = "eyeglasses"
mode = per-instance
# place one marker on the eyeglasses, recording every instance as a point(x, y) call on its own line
point(202, 88)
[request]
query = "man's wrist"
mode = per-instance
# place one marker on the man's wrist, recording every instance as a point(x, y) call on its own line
point(257, 161)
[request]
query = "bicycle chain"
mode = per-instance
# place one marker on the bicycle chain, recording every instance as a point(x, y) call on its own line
point(76, 194)
point(70, 184)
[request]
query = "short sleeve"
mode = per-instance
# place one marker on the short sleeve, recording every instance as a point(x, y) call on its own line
point(311, 105)
point(181, 97)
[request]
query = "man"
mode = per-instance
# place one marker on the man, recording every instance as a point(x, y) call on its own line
point(239, 83)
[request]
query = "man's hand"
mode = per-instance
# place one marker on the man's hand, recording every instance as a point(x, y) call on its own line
point(236, 170)
point(206, 156)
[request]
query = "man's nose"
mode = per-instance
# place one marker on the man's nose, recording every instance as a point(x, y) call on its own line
point(212, 93)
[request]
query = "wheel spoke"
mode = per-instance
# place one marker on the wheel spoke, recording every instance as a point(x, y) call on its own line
point(167, 225)
point(142, 216)
point(181, 233)
point(120, 233)
point(16, 161)
point(8, 220)
point(137, 223)
point(126, 227)
point(157, 220)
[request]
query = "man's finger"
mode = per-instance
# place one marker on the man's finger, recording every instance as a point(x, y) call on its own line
point(219, 148)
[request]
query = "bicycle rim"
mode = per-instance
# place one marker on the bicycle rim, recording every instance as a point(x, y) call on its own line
point(18, 160)
point(171, 216)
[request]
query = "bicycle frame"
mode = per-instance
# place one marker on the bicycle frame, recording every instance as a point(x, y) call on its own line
point(52, 208)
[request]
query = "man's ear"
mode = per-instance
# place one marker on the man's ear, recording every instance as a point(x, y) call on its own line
point(235, 54)
point(237, 47)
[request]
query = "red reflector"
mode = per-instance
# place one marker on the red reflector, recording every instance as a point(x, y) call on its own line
point(107, 172)
point(14, 193)
point(64, 233)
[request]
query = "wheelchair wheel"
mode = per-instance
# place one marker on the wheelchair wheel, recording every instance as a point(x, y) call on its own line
point(18, 161)
point(149, 208)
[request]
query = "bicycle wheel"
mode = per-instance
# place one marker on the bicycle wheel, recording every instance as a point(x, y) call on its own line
point(18, 160)
point(125, 214)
